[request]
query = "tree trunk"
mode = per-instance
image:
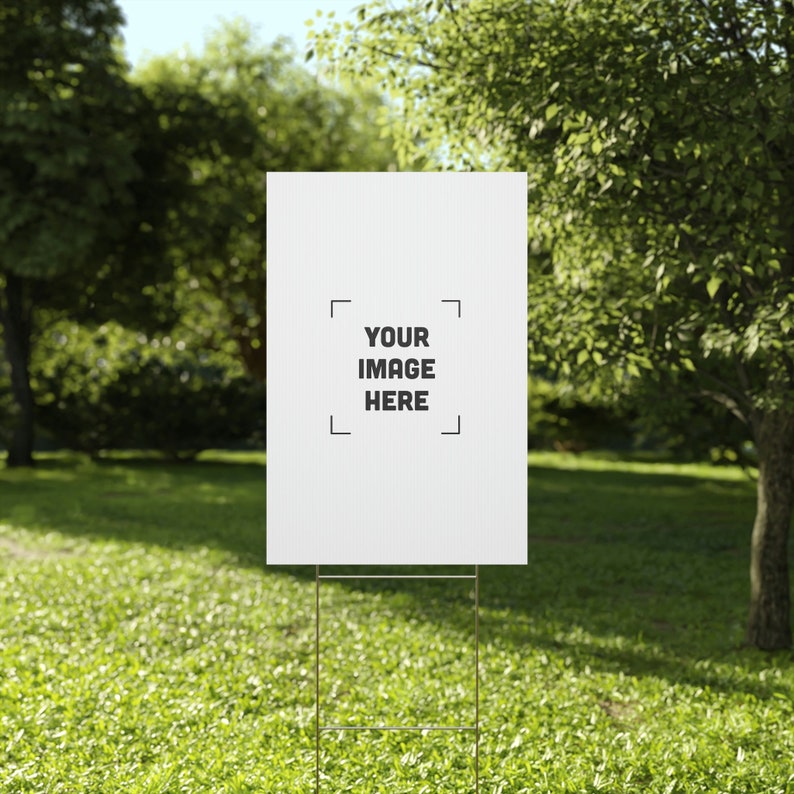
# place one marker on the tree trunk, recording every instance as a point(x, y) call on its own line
point(254, 353)
point(769, 626)
point(15, 316)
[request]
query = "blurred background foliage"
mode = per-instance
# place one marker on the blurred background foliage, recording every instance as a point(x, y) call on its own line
point(571, 418)
point(137, 321)
point(136, 250)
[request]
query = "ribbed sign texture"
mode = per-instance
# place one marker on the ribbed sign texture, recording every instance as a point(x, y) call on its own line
point(396, 368)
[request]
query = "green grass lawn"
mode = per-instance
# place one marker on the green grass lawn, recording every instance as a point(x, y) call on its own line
point(146, 647)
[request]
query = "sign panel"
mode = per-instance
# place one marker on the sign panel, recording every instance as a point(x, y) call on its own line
point(397, 363)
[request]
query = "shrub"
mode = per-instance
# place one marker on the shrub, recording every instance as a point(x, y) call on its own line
point(178, 406)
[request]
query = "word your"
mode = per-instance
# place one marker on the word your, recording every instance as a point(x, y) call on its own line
point(412, 368)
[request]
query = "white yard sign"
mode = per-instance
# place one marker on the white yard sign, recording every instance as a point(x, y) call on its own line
point(396, 374)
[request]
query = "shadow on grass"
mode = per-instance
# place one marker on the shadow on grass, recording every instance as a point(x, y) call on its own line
point(219, 504)
point(628, 571)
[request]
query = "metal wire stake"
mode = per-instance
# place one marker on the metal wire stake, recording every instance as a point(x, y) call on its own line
point(476, 727)
point(317, 680)
point(477, 679)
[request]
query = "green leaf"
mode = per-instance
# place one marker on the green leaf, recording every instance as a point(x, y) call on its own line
point(713, 285)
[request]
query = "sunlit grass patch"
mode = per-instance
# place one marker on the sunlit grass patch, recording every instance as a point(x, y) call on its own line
point(146, 647)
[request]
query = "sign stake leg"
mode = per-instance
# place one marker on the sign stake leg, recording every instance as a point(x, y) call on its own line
point(477, 679)
point(317, 680)
point(475, 728)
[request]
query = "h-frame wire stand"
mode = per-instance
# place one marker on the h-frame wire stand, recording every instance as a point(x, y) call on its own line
point(474, 728)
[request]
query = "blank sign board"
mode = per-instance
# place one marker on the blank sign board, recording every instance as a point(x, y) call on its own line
point(397, 363)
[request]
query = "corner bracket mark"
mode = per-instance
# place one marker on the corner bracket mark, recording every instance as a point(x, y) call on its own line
point(338, 300)
point(452, 301)
point(338, 432)
point(452, 432)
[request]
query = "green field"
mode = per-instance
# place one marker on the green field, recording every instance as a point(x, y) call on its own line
point(146, 647)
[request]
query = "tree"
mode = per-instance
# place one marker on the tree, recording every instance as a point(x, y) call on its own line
point(658, 140)
point(82, 185)
point(283, 120)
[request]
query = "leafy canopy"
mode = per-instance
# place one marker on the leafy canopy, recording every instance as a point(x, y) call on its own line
point(657, 139)
point(270, 114)
point(83, 180)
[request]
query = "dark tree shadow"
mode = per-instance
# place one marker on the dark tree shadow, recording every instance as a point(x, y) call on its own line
point(657, 560)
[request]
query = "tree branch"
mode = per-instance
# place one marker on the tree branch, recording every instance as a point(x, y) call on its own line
point(737, 397)
point(727, 402)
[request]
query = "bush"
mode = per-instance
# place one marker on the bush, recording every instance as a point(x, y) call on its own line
point(681, 424)
point(566, 419)
point(696, 429)
point(178, 406)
